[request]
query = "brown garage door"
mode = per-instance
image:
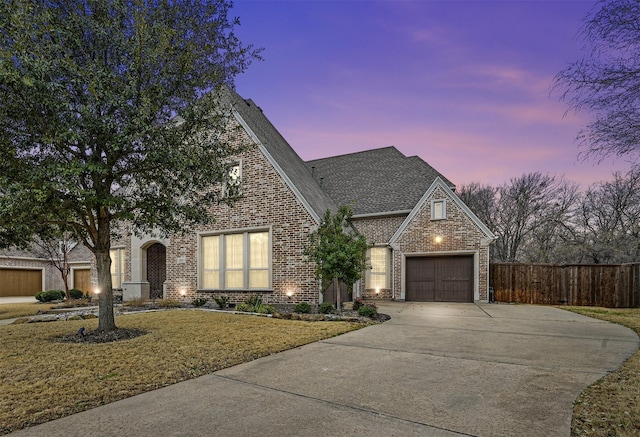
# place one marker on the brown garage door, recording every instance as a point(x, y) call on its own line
point(440, 279)
point(20, 282)
point(82, 279)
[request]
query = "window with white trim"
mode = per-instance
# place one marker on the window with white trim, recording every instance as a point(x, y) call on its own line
point(238, 261)
point(438, 210)
point(117, 267)
point(378, 276)
point(233, 187)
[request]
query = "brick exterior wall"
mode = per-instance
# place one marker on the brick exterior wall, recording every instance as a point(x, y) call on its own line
point(267, 204)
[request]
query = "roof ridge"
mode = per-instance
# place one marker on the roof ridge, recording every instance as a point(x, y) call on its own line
point(358, 152)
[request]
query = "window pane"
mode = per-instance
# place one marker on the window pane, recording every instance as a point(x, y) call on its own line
point(378, 260)
point(211, 279)
point(211, 253)
point(116, 267)
point(438, 210)
point(259, 250)
point(379, 273)
point(234, 279)
point(259, 279)
point(233, 255)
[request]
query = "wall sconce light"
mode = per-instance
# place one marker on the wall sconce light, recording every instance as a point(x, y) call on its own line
point(183, 293)
point(289, 294)
point(96, 291)
point(438, 239)
point(378, 290)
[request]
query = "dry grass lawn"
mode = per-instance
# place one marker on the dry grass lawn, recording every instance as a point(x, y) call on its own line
point(611, 406)
point(44, 380)
point(15, 310)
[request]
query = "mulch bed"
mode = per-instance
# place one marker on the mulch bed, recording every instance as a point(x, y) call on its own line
point(100, 336)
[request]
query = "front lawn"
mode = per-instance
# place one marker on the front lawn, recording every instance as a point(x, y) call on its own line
point(611, 406)
point(15, 310)
point(44, 380)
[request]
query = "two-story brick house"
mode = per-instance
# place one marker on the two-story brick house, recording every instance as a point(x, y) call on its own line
point(428, 244)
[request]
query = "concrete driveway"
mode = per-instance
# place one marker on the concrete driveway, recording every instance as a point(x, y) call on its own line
point(432, 370)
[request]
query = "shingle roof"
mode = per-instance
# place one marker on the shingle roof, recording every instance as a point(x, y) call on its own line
point(375, 181)
point(285, 158)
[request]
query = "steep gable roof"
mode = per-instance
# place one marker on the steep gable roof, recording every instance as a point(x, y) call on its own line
point(285, 160)
point(375, 181)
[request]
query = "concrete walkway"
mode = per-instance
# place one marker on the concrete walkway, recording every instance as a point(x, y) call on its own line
point(432, 370)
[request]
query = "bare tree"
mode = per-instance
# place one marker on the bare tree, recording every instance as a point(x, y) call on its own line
point(606, 81)
point(528, 214)
point(56, 250)
point(609, 221)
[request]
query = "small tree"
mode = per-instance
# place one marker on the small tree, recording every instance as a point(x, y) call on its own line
point(56, 250)
point(338, 250)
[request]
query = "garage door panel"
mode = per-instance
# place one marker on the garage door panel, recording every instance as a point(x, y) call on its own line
point(20, 282)
point(439, 279)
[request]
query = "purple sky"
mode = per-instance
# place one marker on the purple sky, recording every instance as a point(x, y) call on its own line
point(465, 85)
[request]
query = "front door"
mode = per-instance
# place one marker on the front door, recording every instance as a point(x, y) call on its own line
point(156, 269)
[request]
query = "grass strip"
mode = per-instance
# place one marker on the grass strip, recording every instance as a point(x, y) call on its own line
point(611, 406)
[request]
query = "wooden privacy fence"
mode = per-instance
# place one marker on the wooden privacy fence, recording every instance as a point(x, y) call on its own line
point(612, 286)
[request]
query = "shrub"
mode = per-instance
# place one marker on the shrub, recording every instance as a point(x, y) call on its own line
point(357, 303)
point(50, 295)
point(168, 303)
point(74, 293)
point(255, 300)
point(200, 301)
point(243, 307)
point(325, 308)
point(222, 301)
point(302, 307)
point(367, 310)
point(264, 309)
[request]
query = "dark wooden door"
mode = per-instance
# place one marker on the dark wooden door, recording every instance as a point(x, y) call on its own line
point(439, 279)
point(156, 269)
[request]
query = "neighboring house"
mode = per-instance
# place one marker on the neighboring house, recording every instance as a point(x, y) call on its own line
point(25, 273)
point(428, 245)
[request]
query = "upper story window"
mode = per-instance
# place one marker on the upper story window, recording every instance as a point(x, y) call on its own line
point(236, 261)
point(379, 274)
point(438, 210)
point(117, 267)
point(234, 183)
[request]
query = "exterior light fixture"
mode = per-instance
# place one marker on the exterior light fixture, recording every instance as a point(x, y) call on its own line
point(183, 293)
point(438, 239)
point(289, 294)
point(378, 290)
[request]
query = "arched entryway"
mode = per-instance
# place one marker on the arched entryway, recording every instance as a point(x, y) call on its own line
point(156, 269)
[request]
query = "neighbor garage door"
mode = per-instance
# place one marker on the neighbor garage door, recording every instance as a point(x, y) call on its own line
point(440, 279)
point(20, 282)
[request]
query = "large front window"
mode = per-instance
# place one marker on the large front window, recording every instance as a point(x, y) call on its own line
point(378, 275)
point(236, 261)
